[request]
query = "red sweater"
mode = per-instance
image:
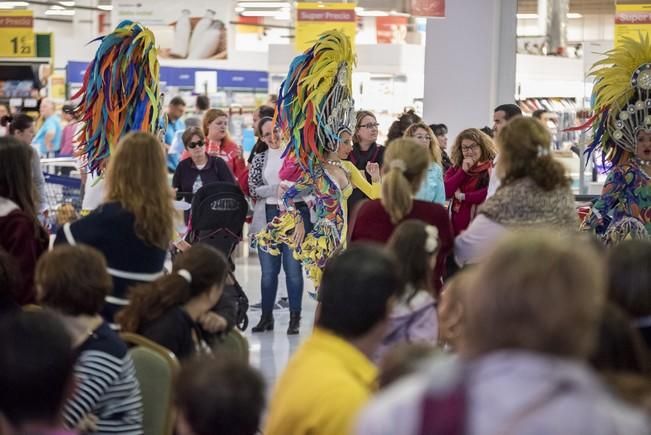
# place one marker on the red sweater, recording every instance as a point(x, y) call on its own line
point(474, 186)
point(17, 237)
point(373, 224)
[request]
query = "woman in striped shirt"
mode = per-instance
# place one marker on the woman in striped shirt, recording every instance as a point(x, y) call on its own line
point(73, 282)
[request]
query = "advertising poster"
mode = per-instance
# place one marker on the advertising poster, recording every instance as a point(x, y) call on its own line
point(16, 33)
point(312, 19)
point(428, 8)
point(391, 30)
point(190, 29)
point(631, 19)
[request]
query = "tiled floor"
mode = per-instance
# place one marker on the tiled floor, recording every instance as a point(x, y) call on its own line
point(270, 351)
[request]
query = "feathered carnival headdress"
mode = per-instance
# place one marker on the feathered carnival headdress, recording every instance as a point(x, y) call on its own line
point(315, 102)
point(119, 92)
point(622, 99)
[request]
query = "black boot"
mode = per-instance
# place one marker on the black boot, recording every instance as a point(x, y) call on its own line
point(266, 323)
point(294, 322)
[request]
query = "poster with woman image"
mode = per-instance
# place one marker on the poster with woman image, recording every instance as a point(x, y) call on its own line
point(189, 29)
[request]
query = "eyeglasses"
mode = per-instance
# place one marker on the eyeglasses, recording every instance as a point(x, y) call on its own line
point(370, 125)
point(193, 145)
point(469, 147)
point(421, 137)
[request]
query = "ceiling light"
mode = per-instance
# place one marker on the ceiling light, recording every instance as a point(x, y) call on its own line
point(366, 13)
point(239, 9)
point(105, 7)
point(60, 12)
point(11, 5)
point(267, 5)
point(67, 4)
point(398, 14)
point(260, 13)
point(571, 16)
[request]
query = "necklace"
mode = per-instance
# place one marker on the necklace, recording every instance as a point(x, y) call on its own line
point(336, 163)
point(643, 162)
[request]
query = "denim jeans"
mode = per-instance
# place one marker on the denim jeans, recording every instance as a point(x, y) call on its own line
point(271, 264)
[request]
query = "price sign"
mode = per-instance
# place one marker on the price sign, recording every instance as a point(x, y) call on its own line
point(17, 34)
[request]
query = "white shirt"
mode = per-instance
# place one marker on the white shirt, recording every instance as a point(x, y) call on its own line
point(494, 181)
point(271, 169)
point(477, 241)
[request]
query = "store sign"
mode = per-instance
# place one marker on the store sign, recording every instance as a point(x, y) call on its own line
point(312, 19)
point(428, 8)
point(631, 20)
point(391, 30)
point(17, 34)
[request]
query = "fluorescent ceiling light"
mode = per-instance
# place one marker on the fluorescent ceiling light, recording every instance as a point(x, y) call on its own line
point(278, 15)
point(59, 12)
point(105, 7)
point(265, 5)
point(398, 14)
point(365, 13)
point(571, 16)
point(67, 4)
point(11, 5)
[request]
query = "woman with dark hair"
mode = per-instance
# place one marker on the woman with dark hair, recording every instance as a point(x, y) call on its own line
point(21, 127)
point(397, 129)
point(21, 234)
point(441, 133)
point(199, 169)
point(629, 265)
point(365, 151)
point(174, 310)
point(535, 192)
point(466, 184)
point(260, 145)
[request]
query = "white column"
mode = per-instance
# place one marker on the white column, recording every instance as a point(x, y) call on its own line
point(470, 63)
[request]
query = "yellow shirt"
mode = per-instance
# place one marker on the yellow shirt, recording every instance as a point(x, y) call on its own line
point(323, 388)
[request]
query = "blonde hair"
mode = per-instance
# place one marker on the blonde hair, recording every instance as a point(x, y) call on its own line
point(137, 178)
point(434, 147)
point(551, 306)
point(405, 165)
point(488, 150)
point(210, 116)
point(524, 145)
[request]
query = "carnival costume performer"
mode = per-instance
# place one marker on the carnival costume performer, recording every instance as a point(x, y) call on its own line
point(621, 129)
point(316, 115)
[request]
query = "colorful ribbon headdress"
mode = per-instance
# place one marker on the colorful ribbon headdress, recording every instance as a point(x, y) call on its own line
point(120, 91)
point(315, 102)
point(622, 99)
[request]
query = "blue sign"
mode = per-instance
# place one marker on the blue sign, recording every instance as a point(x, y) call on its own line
point(228, 79)
point(75, 72)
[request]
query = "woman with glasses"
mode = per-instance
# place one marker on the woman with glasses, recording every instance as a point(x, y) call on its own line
point(432, 189)
point(264, 183)
point(466, 184)
point(366, 151)
point(200, 168)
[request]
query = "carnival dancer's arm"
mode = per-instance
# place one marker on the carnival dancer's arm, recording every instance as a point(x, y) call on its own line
point(599, 217)
point(373, 191)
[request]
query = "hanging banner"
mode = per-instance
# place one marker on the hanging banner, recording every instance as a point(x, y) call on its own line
point(391, 30)
point(183, 30)
point(312, 19)
point(17, 33)
point(427, 8)
point(631, 20)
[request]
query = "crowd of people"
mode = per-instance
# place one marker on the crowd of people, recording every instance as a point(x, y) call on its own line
point(456, 292)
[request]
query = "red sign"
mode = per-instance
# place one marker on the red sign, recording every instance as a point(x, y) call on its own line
point(428, 8)
point(640, 17)
point(340, 15)
point(391, 30)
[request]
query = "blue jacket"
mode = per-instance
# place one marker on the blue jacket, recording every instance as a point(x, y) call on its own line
point(433, 189)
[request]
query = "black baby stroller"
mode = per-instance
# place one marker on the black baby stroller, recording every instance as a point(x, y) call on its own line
point(217, 218)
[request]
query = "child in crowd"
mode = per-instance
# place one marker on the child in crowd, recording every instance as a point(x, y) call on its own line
point(219, 396)
point(413, 318)
point(73, 282)
point(175, 310)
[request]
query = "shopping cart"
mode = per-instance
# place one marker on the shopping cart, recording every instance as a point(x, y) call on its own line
point(62, 198)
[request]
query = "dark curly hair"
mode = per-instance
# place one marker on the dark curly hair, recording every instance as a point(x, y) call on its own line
point(403, 122)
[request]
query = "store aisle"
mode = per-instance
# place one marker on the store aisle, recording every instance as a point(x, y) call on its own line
point(270, 351)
